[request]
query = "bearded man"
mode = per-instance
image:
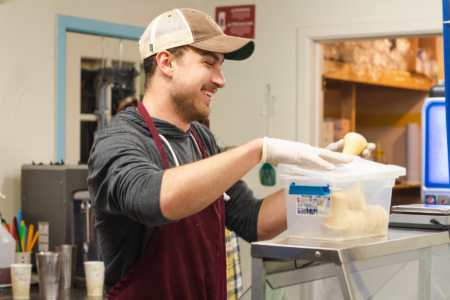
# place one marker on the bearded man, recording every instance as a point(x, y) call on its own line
point(162, 192)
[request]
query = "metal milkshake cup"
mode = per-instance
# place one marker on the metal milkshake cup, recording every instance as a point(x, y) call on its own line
point(67, 259)
point(48, 270)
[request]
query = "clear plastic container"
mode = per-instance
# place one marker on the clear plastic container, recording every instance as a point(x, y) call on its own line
point(7, 255)
point(351, 202)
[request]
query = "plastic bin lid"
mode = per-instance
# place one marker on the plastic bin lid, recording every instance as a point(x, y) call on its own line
point(358, 170)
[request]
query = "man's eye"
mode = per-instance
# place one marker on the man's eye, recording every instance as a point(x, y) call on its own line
point(208, 63)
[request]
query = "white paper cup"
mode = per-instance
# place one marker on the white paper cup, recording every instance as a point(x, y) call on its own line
point(20, 278)
point(23, 258)
point(95, 274)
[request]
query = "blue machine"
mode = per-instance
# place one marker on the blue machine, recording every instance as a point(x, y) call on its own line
point(435, 169)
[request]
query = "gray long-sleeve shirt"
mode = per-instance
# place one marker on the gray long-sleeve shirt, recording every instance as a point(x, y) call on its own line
point(125, 174)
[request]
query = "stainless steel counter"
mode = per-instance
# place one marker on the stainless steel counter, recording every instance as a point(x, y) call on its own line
point(288, 262)
point(69, 294)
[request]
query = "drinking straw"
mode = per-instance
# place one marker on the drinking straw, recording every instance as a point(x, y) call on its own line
point(13, 233)
point(19, 219)
point(19, 247)
point(22, 237)
point(30, 237)
point(34, 240)
point(25, 240)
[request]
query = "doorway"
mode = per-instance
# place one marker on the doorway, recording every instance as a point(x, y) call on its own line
point(86, 55)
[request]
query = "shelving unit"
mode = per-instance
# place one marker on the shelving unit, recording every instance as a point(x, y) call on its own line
point(346, 72)
point(379, 102)
point(400, 186)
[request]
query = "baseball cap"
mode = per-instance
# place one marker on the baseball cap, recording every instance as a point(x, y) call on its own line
point(186, 26)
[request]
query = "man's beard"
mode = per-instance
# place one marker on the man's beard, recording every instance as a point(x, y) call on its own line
point(185, 104)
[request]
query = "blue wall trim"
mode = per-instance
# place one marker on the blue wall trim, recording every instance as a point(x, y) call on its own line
point(87, 26)
point(446, 35)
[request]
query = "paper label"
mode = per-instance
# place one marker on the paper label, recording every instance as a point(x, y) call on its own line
point(313, 205)
point(43, 236)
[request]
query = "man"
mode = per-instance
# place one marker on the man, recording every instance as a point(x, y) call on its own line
point(161, 189)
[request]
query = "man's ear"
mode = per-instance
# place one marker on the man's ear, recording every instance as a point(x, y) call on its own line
point(165, 59)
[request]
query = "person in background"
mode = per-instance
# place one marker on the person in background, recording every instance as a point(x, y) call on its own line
point(162, 191)
point(129, 101)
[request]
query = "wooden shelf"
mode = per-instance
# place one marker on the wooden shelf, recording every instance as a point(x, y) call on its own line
point(405, 186)
point(398, 79)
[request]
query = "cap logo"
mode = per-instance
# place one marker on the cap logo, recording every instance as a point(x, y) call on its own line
point(213, 24)
point(151, 47)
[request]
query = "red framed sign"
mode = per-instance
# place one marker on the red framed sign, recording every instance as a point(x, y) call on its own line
point(237, 20)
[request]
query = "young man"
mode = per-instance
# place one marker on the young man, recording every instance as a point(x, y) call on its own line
point(161, 189)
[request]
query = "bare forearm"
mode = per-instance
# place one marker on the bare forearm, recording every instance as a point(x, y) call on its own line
point(272, 216)
point(190, 188)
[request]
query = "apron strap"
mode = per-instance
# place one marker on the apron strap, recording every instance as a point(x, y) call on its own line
point(199, 143)
point(151, 126)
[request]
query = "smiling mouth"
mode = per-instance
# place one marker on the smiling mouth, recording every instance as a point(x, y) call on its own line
point(208, 93)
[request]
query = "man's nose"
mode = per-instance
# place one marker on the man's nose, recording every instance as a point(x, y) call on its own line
point(218, 78)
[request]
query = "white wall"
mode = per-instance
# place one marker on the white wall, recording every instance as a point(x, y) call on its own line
point(235, 116)
point(27, 77)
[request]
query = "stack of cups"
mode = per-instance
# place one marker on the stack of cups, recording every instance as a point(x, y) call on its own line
point(48, 270)
point(20, 278)
point(95, 273)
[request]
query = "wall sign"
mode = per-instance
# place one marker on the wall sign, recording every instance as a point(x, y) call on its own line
point(237, 20)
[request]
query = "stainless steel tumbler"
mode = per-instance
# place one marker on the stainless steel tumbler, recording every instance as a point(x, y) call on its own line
point(68, 261)
point(48, 271)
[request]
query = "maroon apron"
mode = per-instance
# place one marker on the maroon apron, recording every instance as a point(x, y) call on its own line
point(184, 259)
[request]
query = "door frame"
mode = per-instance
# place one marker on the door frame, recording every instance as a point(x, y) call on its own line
point(309, 110)
point(86, 26)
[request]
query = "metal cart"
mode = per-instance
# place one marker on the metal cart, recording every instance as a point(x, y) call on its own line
point(405, 264)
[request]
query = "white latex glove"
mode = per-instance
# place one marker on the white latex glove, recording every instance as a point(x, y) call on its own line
point(339, 146)
point(277, 151)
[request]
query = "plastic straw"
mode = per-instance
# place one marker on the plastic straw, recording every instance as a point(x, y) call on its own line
point(19, 247)
point(30, 237)
point(25, 239)
point(19, 219)
point(22, 237)
point(34, 240)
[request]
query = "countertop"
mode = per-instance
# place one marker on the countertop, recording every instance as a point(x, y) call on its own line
point(69, 294)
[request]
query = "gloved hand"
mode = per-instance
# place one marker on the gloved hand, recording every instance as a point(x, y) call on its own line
point(339, 146)
point(277, 151)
